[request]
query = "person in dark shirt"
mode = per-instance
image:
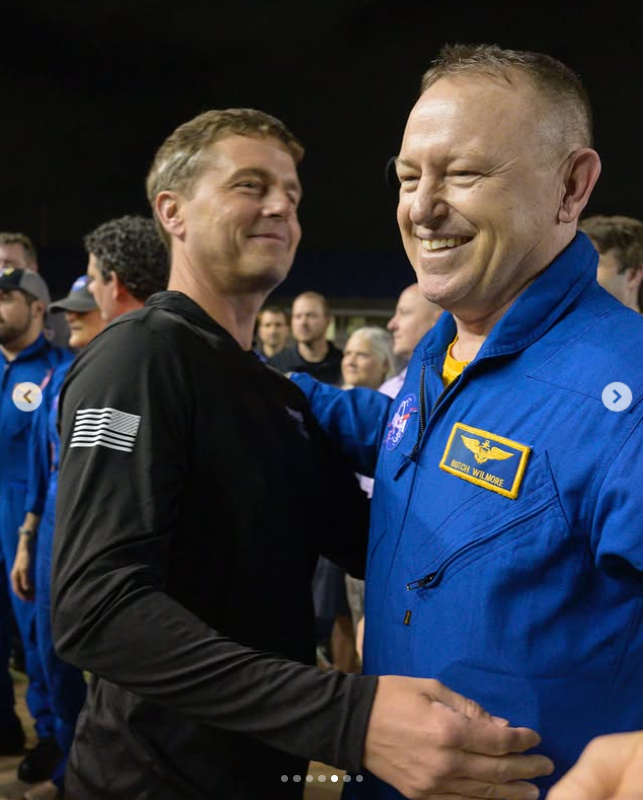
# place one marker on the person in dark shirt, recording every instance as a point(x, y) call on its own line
point(313, 352)
point(272, 332)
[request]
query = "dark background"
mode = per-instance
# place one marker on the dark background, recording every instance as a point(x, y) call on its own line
point(91, 89)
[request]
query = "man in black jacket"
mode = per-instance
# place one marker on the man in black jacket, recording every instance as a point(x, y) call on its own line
point(312, 352)
point(180, 581)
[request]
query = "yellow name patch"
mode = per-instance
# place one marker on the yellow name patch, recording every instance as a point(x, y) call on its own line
point(483, 458)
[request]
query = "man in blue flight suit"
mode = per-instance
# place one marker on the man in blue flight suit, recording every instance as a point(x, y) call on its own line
point(505, 551)
point(25, 356)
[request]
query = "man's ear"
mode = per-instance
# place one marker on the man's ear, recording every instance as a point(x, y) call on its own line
point(118, 289)
point(635, 275)
point(40, 307)
point(582, 169)
point(168, 210)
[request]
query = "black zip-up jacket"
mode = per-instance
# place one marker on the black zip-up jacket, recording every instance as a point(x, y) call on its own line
point(195, 493)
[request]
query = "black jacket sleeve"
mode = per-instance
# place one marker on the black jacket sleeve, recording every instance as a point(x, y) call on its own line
point(125, 416)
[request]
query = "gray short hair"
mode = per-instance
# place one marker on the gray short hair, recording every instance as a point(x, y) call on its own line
point(560, 88)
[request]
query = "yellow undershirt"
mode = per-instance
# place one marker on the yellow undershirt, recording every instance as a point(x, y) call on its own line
point(452, 369)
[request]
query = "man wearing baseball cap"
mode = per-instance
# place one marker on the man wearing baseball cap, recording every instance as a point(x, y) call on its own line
point(25, 357)
point(18, 251)
point(65, 684)
point(81, 313)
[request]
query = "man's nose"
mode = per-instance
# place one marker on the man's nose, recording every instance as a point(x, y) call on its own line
point(278, 203)
point(428, 203)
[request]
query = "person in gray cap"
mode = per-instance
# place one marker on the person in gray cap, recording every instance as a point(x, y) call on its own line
point(82, 314)
point(18, 251)
point(26, 356)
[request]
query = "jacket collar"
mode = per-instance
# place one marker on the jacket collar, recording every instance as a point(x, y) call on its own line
point(182, 305)
point(534, 311)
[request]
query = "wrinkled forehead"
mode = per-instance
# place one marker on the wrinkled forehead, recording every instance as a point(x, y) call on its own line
point(235, 152)
point(478, 112)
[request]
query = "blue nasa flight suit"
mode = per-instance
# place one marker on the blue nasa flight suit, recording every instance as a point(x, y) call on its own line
point(34, 364)
point(65, 684)
point(506, 557)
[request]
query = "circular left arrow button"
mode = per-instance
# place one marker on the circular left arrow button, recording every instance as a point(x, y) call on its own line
point(27, 396)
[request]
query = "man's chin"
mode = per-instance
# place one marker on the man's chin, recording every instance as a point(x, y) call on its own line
point(264, 281)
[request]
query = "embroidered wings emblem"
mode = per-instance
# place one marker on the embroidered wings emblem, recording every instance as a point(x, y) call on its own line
point(484, 452)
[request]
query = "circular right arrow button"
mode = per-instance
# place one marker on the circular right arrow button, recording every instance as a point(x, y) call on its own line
point(617, 396)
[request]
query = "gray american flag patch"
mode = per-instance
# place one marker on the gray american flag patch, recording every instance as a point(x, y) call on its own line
point(107, 427)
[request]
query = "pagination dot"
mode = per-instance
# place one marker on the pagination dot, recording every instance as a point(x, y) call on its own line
point(359, 778)
point(334, 778)
point(321, 778)
point(347, 778)
point(284, 779)
point(309, 778)
point(296, 778)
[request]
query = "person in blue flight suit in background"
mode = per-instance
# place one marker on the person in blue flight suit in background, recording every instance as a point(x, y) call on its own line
point(65, 684)
point(25, 356)
point(505, 550)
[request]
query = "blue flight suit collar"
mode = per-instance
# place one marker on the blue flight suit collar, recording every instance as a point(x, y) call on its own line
point(31, 350)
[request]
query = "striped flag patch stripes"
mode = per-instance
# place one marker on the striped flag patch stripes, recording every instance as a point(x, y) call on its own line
point(107, 427)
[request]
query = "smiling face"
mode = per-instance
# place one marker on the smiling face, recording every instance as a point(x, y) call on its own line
point(240, 223)
point(479, 193)
point(360, 364)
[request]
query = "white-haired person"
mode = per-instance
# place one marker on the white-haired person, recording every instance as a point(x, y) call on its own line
point(368, 359)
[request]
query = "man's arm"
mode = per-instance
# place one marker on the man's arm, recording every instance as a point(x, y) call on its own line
point(355, 419)
point(430, 742)
point(39, 470)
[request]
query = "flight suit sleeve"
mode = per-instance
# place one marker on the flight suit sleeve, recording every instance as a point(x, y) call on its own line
point(38, 459)
point(355, 419)
point(125, 427)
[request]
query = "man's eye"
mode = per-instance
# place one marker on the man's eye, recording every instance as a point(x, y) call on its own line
point(249, 185)
point(408, 182)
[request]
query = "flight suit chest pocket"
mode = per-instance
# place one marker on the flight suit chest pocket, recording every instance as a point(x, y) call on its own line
point(486, 522)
